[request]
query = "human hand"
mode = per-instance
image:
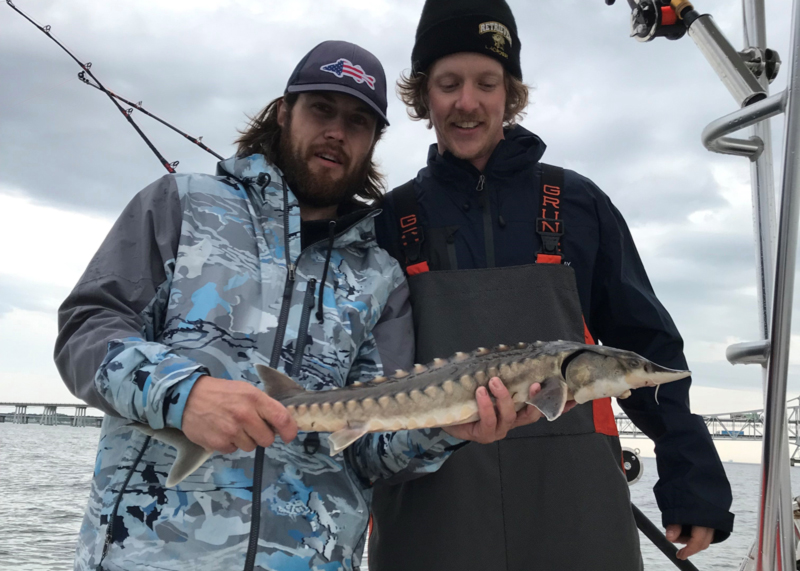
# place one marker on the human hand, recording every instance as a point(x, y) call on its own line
point(498, 418)
point(225, 415)
point(700, 539)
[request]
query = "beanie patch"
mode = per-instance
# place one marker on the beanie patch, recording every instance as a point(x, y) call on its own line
point(500, 35)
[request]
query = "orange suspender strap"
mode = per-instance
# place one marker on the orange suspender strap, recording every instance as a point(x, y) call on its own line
point(604, 422)
point(549, 225)
point(550, 228)
point(411, 235)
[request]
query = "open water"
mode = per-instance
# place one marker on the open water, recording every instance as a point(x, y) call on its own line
point(45, 474)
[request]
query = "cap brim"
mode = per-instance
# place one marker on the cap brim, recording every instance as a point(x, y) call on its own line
point(340, 89)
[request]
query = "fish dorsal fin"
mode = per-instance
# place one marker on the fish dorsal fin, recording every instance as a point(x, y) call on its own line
point(552, 398)
point(276, 384)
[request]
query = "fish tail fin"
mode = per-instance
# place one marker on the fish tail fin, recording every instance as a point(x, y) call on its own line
point(188, 458)
point(276, 384)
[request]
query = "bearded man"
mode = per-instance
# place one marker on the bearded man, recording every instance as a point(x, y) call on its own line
point(271, 261)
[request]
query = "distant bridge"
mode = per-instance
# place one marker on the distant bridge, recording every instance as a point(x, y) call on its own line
point(744, 426)
point(75, 414)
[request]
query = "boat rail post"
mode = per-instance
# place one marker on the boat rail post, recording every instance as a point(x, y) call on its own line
point(764, 226)
point(762, 177)
point(776, 540)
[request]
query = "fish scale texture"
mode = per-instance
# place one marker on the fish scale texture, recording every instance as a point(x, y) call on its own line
point(216, 313)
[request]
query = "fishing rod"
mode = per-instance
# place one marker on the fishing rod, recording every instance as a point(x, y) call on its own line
point(127, 113)
point(138, 106)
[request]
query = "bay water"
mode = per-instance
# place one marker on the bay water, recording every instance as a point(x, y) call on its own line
point(45, 474)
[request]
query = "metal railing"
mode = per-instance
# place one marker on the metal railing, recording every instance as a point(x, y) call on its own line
point(774, 547)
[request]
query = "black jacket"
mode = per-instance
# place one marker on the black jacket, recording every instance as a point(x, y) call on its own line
point(618, 302)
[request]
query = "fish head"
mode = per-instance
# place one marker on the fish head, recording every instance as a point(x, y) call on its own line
point(597, 371)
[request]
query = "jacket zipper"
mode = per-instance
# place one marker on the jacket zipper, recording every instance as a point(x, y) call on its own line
point(286, 304)
point(258, 467)
point(488, 232)
point(302, 332)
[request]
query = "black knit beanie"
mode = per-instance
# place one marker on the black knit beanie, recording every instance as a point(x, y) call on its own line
point(450, 26)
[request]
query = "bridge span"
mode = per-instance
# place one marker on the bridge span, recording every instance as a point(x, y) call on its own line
point(742, 426)
point(71, 414)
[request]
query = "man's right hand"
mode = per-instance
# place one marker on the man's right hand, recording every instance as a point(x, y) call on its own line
point(223, 415)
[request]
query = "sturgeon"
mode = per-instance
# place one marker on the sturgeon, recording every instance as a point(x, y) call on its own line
point(442, 393)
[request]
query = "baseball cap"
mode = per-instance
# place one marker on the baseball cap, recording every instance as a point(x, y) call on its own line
point(345, 68)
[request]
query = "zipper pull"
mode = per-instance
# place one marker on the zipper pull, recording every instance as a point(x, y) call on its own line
point(481, 182)
point(289, 287)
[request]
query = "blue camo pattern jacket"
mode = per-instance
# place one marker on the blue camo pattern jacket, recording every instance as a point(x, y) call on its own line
point(190, 281)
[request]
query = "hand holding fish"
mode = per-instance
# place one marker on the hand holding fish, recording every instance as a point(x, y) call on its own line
point(222, 415)
point(497, 418)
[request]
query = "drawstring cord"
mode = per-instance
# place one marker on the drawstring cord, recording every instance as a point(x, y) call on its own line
point(331, 235)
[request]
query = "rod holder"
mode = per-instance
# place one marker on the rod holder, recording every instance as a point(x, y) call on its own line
point(726, 61)
point(748, 353)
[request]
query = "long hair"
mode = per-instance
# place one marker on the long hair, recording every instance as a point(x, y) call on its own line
point(412, 88)
point(263, 136)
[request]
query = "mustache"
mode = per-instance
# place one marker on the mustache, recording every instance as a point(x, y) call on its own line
point(466, 118)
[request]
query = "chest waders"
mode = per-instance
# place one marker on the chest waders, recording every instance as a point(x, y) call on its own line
point(551, 496)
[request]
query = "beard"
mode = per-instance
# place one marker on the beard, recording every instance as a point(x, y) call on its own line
point(319, 190)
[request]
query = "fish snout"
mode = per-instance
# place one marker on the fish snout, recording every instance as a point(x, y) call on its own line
point(653, 374)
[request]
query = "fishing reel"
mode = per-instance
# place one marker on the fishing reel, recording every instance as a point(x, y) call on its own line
point(632, 464)
point(652, 19)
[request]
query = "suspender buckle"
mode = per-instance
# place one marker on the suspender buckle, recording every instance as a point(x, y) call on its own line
point(550, 230)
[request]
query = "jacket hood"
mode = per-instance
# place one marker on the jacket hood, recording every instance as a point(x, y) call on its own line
point(264, 181)
point(246, 167)
point(519, 149)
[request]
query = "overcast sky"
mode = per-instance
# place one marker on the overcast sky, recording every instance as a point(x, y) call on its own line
point(625, 114)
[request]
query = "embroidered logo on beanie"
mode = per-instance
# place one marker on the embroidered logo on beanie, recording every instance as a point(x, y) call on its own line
point(500, 35)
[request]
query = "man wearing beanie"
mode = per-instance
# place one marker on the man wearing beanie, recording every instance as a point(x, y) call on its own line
point(498, 248)
point(273, 261)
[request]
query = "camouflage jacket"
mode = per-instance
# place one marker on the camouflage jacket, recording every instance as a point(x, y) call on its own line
point(193, 279)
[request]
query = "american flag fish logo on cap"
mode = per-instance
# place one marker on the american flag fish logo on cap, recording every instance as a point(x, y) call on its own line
point(342, 67)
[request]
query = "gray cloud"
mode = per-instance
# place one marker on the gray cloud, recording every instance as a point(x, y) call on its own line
point(626, 115)
point(27, 295)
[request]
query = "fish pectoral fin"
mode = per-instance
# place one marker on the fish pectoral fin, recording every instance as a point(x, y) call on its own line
point(343, 438)
point(276, 384)
point(552, 398)
point(189, 456)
